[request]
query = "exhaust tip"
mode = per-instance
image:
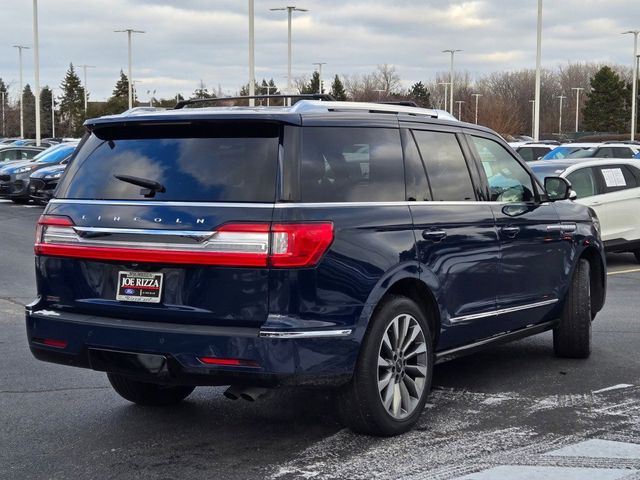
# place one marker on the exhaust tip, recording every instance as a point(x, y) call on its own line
point(232, 393)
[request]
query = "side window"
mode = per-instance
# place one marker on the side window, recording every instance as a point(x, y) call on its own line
point(527, 154)
point(583, 182)
point(446, 166)
point(617, 177)
point(622, 152)
point(351, 165)
point(604, 152)
point(508, 180)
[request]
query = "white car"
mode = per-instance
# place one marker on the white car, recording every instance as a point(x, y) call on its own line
point(612, 188)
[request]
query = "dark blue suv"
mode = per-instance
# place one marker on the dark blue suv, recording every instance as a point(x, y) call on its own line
point(327, 244)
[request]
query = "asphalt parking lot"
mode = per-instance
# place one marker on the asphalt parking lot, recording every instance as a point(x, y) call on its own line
point(511, 412)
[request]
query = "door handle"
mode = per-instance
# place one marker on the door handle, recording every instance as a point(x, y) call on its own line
point(434, 235)
point(511, 232)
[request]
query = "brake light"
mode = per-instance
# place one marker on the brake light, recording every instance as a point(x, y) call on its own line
point(286, 245)
point(228, 362)
point(51, 342)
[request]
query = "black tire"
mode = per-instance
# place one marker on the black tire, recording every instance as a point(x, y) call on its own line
point(572, 336)
point(636, 253)
point(360, 402)
point(144, 393)
point(20, 201)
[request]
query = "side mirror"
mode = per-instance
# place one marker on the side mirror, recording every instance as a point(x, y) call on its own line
point(558, 188)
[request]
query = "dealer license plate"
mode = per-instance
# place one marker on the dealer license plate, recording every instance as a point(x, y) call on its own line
point(143, 287)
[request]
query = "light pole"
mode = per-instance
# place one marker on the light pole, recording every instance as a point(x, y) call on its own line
point(289, 11)
point(477, 95)
point(460, 102)
point(578, 90)
point(319, 64)
point(84, 69)
point(129, 32)
point(536, 116)
point(3, 93)
point(252, 62)
point(269, 87)
point(533, 117)
point(446, 95)
point(560, 97)
point(36, 62)
point(21, 96)
point(634, 81)
point(452, 52)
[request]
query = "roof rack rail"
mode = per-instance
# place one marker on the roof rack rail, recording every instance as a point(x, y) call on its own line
point(544, 142)
point(624, 142)
point(300, 96)
point(310, 106)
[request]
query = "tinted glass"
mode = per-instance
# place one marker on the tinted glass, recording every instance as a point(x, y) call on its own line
point(616, 177)
point(530, 154)
point(205, 162)
point(351, 165)
point(57, 155)
point(8, 155)
point(508, 180)
point(562, 152)
point(583, 182)
point(446, 166)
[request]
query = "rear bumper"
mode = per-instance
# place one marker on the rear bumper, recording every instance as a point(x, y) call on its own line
point(315, 358)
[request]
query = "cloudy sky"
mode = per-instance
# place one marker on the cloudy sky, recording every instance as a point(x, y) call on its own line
point(191, 40)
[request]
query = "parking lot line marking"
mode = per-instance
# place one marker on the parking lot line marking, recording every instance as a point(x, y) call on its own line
point(521, 472)
point(596, 448)
point(613, 387)
point(618, 272)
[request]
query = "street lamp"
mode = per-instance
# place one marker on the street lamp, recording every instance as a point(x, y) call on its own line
point(20, 48)
point(560, 97)
point(634, 81)
point(129, 31)
point(84, 69)
point(289, 11)
point(533, 117)
point(252, 62)
point(319, 64)
point(36, 62)
point(53, 115)
point(578, 90)
point(536, 115)
point(452, 52)
point(477, 95)
point(460, 102)
point(446, 95)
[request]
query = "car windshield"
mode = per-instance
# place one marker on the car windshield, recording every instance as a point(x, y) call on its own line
point(55, 155)
point(561, 152)
point(542, 171)
point(583, 153)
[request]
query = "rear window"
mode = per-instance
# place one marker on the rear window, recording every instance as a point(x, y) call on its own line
point(194, 162)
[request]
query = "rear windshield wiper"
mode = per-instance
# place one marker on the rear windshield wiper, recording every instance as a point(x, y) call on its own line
point(149, 187)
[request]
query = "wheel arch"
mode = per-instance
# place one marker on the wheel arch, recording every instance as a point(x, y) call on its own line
point(598, 277)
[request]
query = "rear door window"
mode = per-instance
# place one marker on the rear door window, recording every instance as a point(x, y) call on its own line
point(351, 165)
point(616, 177)
point(446, 166)
point(200, 162)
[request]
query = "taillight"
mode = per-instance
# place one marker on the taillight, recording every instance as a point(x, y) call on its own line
point(228, 362)
point(238, 244)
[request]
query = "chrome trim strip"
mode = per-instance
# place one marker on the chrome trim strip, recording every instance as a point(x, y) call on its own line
point(304, 334)
point(155, 203)
point(495, 313)
point(562, 227)
point(199, 234)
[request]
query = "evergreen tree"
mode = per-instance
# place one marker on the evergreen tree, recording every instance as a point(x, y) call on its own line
point(202, 92)
point(337, 90)
point(313, 86)
point(45, 111)
point(4, 106)
point(607, 105)
point(420, 95)
point(121, 90)
point(29, 109)
point(71, 104)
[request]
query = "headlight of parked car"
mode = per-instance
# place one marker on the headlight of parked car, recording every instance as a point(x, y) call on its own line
point(23, 169)
point(53, 175)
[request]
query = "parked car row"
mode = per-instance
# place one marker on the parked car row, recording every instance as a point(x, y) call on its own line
point(35, 179)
